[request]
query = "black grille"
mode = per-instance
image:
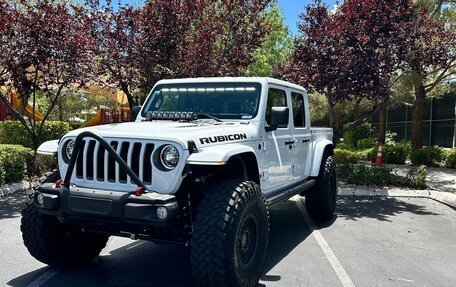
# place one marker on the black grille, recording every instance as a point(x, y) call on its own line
point(95, 164)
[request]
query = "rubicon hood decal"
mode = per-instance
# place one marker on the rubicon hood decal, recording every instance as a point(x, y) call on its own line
point(223, 138)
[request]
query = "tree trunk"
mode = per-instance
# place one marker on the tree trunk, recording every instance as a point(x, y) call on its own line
point(61, 111)
point(131, 100)
point(418, 110)
point(332, 120)
point(382, 123)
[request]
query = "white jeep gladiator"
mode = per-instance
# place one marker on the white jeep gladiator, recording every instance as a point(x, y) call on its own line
point(200, 165)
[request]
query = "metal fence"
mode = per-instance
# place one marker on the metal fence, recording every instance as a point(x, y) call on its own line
point(439, 126)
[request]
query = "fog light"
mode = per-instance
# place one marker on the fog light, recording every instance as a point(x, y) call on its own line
point(162, 212)
point(39, 199)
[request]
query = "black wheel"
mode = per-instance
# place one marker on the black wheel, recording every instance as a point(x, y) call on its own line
point(53, 243)
point(321, 199)
point(230, 235)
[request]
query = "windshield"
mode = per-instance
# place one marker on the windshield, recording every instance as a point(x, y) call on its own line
point(221, 100)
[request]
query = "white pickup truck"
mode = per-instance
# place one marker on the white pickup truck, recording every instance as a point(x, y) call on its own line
point(200, 165)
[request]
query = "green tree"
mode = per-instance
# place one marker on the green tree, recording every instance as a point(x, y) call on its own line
point(276, 49)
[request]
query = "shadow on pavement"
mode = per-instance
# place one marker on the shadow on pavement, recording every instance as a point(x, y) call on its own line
point(25, 279)
point(11, 205)
point(288, 230)
point(380, 208)
point(143, 263)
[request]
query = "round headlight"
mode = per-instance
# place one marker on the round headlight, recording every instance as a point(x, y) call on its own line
point(169, 157)
point(69, 148)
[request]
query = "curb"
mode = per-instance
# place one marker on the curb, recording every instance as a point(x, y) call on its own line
point(447, 198)
point(14, 187)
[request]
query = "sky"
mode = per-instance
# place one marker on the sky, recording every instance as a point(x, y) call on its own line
point(291, 10)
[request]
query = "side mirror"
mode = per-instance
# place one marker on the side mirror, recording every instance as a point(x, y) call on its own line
point(134, 113)
point(279, 117)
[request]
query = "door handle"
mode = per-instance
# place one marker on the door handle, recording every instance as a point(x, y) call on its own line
point(290, 141)
point(305, 140)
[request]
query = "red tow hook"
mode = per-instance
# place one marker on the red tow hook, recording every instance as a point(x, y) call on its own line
point(58, 183)
point(139, 191)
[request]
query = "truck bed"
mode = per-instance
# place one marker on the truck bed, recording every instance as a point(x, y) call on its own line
point(321, 133)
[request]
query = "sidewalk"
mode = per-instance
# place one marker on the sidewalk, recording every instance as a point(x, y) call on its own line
point(441, 184)
point(440, 179)
point(14, 187)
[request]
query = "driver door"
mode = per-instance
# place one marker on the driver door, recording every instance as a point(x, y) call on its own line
point(277, 159)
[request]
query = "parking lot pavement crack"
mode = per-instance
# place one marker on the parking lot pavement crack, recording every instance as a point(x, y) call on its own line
point(335, 264)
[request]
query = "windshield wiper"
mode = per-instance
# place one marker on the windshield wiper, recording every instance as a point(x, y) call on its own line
point(209, 117)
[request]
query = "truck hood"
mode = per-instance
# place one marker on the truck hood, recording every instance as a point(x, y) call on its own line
point(203, 133)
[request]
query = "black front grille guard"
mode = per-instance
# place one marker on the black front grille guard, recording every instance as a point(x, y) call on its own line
point(112, 153)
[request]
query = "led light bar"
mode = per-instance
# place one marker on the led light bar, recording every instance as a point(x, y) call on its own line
point(229, 89)
point(172, 116)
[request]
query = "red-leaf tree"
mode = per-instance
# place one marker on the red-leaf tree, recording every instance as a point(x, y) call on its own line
point(223, 38)
point(5, 25)
point(351, 54)
point(45, 49)
point(174, 38)
point(430, 55)
point(118, 41)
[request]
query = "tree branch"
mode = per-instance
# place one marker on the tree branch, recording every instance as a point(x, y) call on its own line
point(50, 108)
point(440, 77)
point(437, 8)
point(363, 118)
point(16, 114)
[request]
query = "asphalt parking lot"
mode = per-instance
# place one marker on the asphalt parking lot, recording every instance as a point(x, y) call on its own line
point(370, 242)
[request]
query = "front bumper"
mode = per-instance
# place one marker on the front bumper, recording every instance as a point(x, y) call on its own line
point(110, 212)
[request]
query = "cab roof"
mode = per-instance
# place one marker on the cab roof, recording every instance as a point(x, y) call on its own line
point(262, 80)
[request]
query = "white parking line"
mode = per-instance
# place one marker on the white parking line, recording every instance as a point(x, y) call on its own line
point(335, 264)
point(43, 278)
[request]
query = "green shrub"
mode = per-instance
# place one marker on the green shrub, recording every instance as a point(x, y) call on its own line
point(344, 156)
point(428, 156)
point(14, 160)
point(396, 153)
point(415, 178)
point(13, 132)
point(343, 145)
point(366, 143)
point(361, 132)
point(361, 174)
point(451, 158)
point(391, 153)
point(344, 170)
point(419, 177)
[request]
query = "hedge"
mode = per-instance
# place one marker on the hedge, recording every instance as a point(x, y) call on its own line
point(14, 160)
point(366, 143)
point(361, 174)
point(13, 132)
point(344, 156)
point(451, 158)
point(428, 156)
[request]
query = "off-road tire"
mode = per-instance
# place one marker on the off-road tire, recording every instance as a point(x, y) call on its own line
point(321, 199)
point(53, 243)
point(230, 235)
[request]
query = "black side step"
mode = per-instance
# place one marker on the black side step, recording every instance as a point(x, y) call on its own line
point(286, 193)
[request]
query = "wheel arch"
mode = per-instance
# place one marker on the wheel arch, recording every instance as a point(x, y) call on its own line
point(234, 161)
point(322, 148)
point(243, 166)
